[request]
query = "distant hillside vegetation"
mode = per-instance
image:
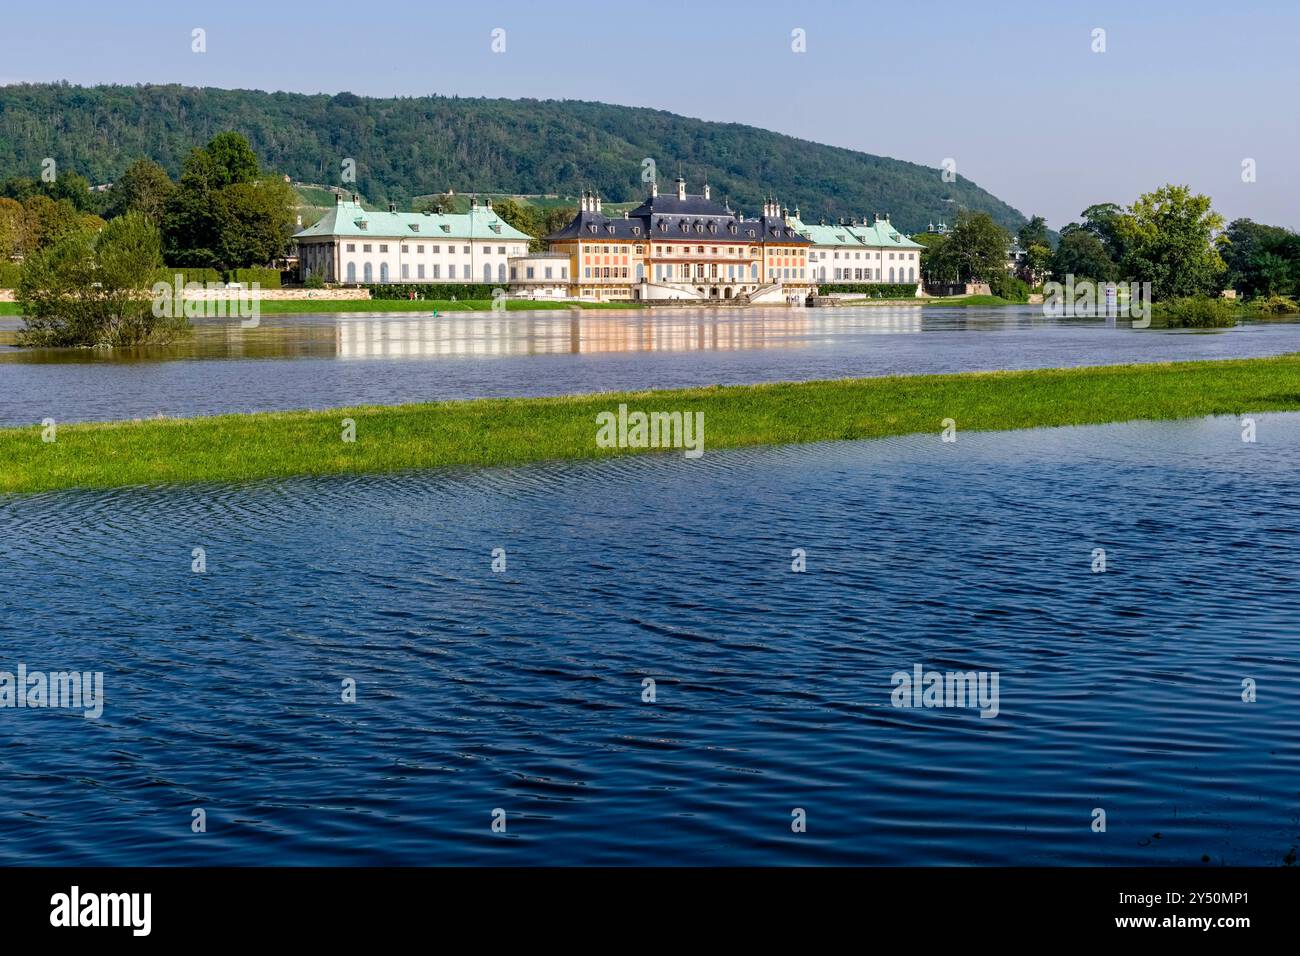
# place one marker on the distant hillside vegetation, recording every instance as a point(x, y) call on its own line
point(418, 146)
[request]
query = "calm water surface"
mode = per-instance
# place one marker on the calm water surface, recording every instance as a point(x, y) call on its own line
point(522, 690)
point(327, 361)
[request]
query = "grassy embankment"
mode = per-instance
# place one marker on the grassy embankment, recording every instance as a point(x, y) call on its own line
point(512, 431)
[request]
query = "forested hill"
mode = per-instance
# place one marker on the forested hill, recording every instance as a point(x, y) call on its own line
point(416, 146)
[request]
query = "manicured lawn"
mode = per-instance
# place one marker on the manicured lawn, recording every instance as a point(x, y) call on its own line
point(510, 431)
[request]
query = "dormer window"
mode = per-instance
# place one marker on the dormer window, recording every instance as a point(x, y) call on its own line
point(495, 226)
point(415, 227)
point(636, 230)
point(592, 227)
point(446, 227)
point(732, 228)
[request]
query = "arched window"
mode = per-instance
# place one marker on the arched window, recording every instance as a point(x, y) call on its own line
point(753, 270)
point(352, 272)
point(369, 273)
point(640, 272)
point(487, 272)
point(891, 273)
point(501, 272)
point(383, 272)
point(911, 274)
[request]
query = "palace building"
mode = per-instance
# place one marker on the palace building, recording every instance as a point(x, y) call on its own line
point(857, 251)
point(683, 247)
point(354, 245)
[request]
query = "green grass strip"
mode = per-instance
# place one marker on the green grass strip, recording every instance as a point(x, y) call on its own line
point(512, 431)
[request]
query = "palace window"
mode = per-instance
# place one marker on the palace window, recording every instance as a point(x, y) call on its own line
point(383, 247)
point(365, 247)
point(352, 247)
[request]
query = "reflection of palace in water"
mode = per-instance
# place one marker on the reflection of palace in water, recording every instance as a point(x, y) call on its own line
point(480, 336)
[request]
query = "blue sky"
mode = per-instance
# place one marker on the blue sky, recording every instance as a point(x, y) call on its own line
point(1011, 91)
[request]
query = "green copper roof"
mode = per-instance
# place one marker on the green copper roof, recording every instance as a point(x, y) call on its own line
point(349, 219)
point(880, 234)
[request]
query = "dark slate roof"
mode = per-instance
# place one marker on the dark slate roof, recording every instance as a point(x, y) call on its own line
point(670, 205)
point(595, 225)
point(667, 217)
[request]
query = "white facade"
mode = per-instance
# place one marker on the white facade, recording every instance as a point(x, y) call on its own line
point(542, 275)
point(352, 245)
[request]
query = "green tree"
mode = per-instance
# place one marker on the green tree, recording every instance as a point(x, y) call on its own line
point(1169, 240)
point(1034, 233)
point(937, 265)
point(233, 159)
point(94, 288)
point(1102, 220)
point(144, 187)
point(45, 222)
point(224, 214)
point(556, 218)
point(11, 228)
point(977, 247)
point(1261, 260)
point(1081, 254)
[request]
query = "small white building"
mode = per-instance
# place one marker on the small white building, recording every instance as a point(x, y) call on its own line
point(540, 275)
point(351, 245)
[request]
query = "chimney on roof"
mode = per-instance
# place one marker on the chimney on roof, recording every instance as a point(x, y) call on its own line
point(597, 202)
point(338, 199)
point(654, 188)
point(473, 203)
point(706, 190)
point(488, 203)
point(681, 188)
point(392, 207)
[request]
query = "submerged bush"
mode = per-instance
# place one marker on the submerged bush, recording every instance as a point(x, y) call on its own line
point(94, 288)
point(1196, 312)
point(1009, 287)
point(1275, 305)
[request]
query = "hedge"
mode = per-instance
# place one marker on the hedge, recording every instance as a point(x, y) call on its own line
point(265, 278)
point(191, 274)
point(434, 290)
point(876, 290)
